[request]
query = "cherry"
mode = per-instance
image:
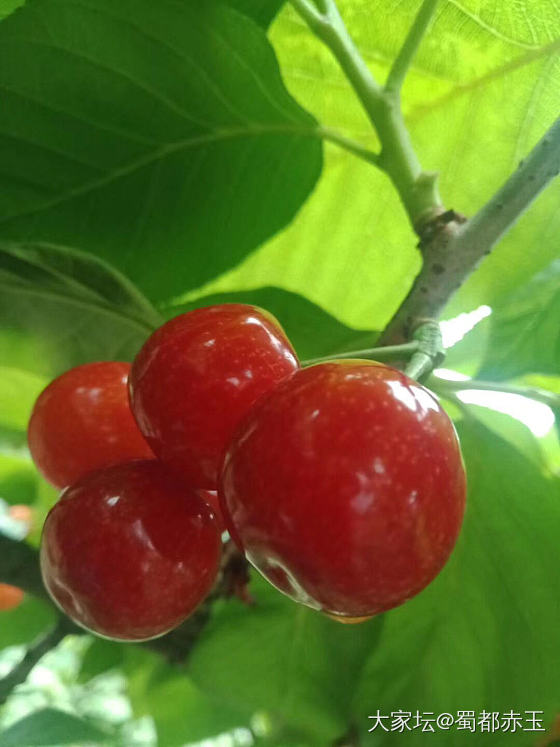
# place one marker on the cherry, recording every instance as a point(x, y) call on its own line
point(211, 497)
point(129, 552)
point(82, 421)
point(198, 375)
point(346, 487)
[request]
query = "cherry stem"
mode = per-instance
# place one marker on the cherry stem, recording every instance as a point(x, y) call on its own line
point(385, 353)
point(430, 353)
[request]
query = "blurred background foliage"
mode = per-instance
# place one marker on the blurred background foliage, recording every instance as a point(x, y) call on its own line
point(157, 157)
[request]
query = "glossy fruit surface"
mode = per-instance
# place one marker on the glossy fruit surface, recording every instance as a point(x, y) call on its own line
point(10, 597)
point(346, 487)
point(196, 378)
point(129, 552)
point(211, 497)
point(82, 421)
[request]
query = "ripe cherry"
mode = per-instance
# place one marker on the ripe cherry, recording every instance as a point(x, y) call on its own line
point(198, 375)
point(10, 597)
point(82, 421)
point(129, 552)
point(211, 497)
point(346, 487)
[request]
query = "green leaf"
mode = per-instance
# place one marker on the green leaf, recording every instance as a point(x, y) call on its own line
point(525, 329)
point(8, 6)
point(24, 623)
point(18, 392)
point(482, 90)
point(262, 11)
point(312, 331)
point(181, 712)
point(181, 149)
point(51, 727)
point(298, 666)
point(484, 635)
point(18, 478)
point(100, 656)
point(68, 307)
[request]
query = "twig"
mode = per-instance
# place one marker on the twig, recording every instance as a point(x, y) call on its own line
point(430, 351)
point(33, 655)
point(404, 59)
point(417, 188)
point(458, 246)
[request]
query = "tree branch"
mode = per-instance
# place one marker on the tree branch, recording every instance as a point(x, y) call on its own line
point(404, 59)
point(33, 655)
point(455, 247)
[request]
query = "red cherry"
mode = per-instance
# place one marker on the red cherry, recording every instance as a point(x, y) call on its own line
point(129, 552)
point(346, 487)
point(82, 421)
point(211, 497)
point(10, 597)
point(196, 378)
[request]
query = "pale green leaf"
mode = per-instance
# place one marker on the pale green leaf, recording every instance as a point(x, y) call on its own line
point(525, 329)
point(483, 89)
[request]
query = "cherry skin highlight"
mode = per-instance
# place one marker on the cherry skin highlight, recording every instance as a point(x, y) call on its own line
point(129, 552)
point(197, 376)
point(346, 487)
point(211, 497)
point(82, 421)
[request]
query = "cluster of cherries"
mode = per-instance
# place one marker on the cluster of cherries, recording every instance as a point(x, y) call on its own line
point(341, 482)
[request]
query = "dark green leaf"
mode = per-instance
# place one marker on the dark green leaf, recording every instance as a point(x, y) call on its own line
point(24, 623)
point(8, 6)
point(313, 332)
point(51, 727)
point(100, 657)
point(181, 712)
point(525, 329)
point(159, 136)
point(485, 634)
point(293, 663)
point(18, 477)
point(68, 308)
point(263, 11)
